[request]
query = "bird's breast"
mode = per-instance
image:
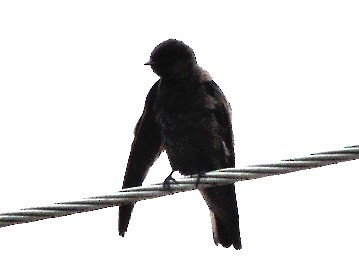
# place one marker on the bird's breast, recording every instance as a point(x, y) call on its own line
point(182, 118)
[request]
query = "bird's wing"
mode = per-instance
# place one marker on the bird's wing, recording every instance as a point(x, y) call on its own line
point(223, 114)
point(145, 149)
point(146, 145)
point(221, 200)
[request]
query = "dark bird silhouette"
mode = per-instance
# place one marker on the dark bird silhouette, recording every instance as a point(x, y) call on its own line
point(187, 115)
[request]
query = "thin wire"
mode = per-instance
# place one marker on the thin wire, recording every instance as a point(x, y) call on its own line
point(214, 178)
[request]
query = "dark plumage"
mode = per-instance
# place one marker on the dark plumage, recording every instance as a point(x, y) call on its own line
point(187, 115)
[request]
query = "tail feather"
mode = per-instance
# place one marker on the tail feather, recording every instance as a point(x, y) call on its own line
point(222, 203)
point(222, 236)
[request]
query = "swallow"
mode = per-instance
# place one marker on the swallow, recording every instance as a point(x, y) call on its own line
point(186, 115)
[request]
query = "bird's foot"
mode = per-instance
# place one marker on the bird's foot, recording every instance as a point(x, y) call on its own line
point(168, 180)
point(199, 176)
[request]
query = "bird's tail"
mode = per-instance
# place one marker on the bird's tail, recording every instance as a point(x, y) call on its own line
point(124, 217)
point(222, 203)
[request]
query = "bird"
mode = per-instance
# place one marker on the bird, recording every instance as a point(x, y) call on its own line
point(186, 115)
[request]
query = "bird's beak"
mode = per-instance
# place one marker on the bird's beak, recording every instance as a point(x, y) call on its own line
point(150, 62)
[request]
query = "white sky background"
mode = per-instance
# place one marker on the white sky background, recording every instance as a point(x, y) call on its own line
point(73, 84)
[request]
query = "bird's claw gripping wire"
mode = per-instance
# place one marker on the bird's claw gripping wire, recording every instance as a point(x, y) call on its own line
point(168, 180)
point(199, 176)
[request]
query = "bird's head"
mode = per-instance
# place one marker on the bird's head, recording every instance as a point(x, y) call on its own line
point(172, 59)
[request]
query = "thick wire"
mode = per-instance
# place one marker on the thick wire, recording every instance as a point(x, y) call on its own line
point(214, 178)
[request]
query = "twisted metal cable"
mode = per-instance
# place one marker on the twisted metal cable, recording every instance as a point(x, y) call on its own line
point(213, 178)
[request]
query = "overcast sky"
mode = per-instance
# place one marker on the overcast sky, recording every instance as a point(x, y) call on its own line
point(73, 85)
